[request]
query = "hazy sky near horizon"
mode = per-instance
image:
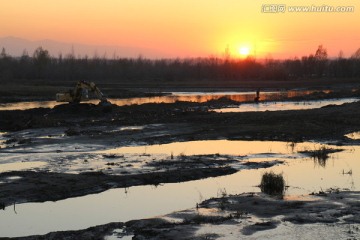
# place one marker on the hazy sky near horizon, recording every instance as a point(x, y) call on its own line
point(187, 28)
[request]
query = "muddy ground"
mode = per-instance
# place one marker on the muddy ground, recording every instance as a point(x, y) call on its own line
point(181, 121)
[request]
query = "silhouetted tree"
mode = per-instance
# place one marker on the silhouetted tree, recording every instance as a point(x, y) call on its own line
point(320, 60)
point(294, 68)
point(321, 54)
point(3, 53)
point(341, 55)
point(227, 54)
point(356, 54)
point(41, 59)
point(356, 63)
point(41, 65)
point(25, 64)
point(6, 66)
point(308, 64)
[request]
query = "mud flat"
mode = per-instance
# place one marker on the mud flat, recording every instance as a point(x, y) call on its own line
point(247, 216)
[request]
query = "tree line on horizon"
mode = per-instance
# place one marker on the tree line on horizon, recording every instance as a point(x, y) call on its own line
point(42, 66)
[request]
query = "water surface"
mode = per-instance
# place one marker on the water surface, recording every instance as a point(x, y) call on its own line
point(353, 136)
point(286, 105)
point(303, 174)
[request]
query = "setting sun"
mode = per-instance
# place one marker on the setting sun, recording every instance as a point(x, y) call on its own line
point(244, 51)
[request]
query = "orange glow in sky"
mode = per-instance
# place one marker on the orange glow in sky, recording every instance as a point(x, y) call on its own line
point(186, 28)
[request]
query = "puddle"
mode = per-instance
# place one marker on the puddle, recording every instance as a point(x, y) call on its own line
point(131, 128)
point(247, 149)
point(10, 179)
point(2, 139)
point(20, 166)
point(13, 178)
point(282, 231)
point(54, 140)
point(119, 234)
point(2, 144)
point(306, 198)
point(222, 147)
point(282, 106)
point(53, 136)
point(42, 133)
point(54, 148)
point(353, 136)
point(58, 133)
point(28, 105)
point(118, 205)
point(198, 97)
point(141, 159)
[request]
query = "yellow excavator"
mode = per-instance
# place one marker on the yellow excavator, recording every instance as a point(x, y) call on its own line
point(80, 93)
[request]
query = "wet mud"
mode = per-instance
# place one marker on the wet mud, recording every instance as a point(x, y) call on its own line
point(249, 214)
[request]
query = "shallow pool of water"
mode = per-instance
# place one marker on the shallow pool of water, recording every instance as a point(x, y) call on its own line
point(282, 106)
point(2, 140)
point(17, 166)
point(303, 175)
point(223, 147)
point(353, 136)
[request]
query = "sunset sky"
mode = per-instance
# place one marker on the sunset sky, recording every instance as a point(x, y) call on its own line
point(186, 28)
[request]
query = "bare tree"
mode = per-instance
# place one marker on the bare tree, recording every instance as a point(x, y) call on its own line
point(321, 53)
point(356, 54)
point(41, 59)
point(320, 59)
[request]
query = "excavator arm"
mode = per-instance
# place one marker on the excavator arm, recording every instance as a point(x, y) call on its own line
point(76, 95)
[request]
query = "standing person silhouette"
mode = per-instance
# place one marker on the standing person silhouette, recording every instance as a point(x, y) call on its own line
point(257, 98)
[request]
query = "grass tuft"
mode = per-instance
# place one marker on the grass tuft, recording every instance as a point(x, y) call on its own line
point(321, 154)
point(272, 184)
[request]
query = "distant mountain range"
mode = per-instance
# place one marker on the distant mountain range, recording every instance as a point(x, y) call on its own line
point(16, 46)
